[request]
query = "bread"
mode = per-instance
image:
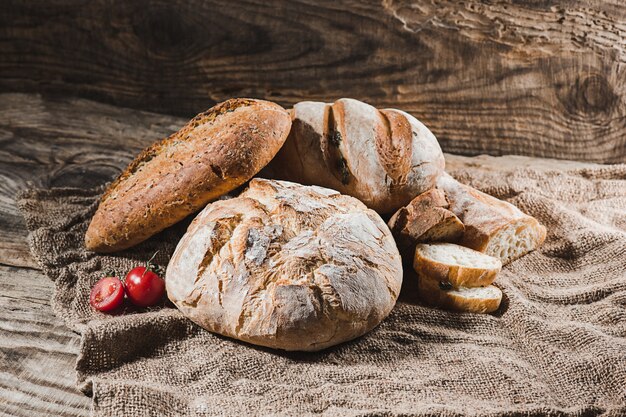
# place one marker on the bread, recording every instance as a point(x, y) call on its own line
point(492, 226)
point(382, 157)
point(455, 265)
point(457, 278)
point(469, 300)
point(286, 266)
point(426, 219)
point(217, 151)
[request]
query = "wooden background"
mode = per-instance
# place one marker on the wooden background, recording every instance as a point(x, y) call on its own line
point(539, 78)
point(530, 77)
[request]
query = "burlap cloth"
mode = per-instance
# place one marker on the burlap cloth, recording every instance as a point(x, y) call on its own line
point(557, 346)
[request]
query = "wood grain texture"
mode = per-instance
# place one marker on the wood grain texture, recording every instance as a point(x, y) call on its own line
point(75, 142)
point(500, 77)
point(37, 352)
point(63, 142)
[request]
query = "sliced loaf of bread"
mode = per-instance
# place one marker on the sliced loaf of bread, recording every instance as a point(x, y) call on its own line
point(426, 219)
point(492, 226)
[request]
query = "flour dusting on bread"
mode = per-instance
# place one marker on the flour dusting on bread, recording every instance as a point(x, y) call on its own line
point(302, 268)
point(382, 157)
point(492, 226)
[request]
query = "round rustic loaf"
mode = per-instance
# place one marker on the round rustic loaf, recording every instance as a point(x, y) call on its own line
point(216, 152)
point(382, 157)
point(286, 266)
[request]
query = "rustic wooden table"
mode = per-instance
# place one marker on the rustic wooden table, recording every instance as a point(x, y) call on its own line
point(54, 142)
point(500, 77)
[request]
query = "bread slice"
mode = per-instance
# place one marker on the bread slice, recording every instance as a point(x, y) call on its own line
point(471, 300)
point(492, 226)
point(454, 265)
point(426, 219)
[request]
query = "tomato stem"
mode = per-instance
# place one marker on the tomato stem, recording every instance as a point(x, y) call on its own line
point(153, 256)
point(151, 266)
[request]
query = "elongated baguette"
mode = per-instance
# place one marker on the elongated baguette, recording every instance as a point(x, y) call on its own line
point(426, 219)
point(470, 300)
point(492, 226)
point(216, 152)
point(455, 265)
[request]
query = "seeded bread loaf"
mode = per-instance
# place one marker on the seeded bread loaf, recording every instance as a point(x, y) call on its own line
point(217, 151)
point(286, 266)
point(382, 157)
point(492, 226)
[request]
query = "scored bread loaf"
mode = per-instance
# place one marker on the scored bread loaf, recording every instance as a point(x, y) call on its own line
point(492, 226)
point(426, 219)
point(464, 299)
point(286, 266)
point(216, 152)
point(454, 265)
point(382, 157)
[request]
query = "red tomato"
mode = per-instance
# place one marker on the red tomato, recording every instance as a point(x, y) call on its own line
point(144, 287)
point(107, 294)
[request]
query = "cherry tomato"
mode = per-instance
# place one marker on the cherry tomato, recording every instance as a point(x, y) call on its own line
point(107, 294)
point(144, 287)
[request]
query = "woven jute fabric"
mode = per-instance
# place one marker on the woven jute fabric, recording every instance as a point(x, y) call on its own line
point(556, 347)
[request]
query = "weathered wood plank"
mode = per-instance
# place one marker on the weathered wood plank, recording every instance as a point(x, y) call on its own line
point(63, 142)
point(37, 351)
point(498, 77)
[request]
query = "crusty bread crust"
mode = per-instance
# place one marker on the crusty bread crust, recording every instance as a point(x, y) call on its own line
point(426, 219)
point(453, 274)
point(382, 157)
point(492, 226)
point(214, 153)
point(432, 294)
point(286, 266)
